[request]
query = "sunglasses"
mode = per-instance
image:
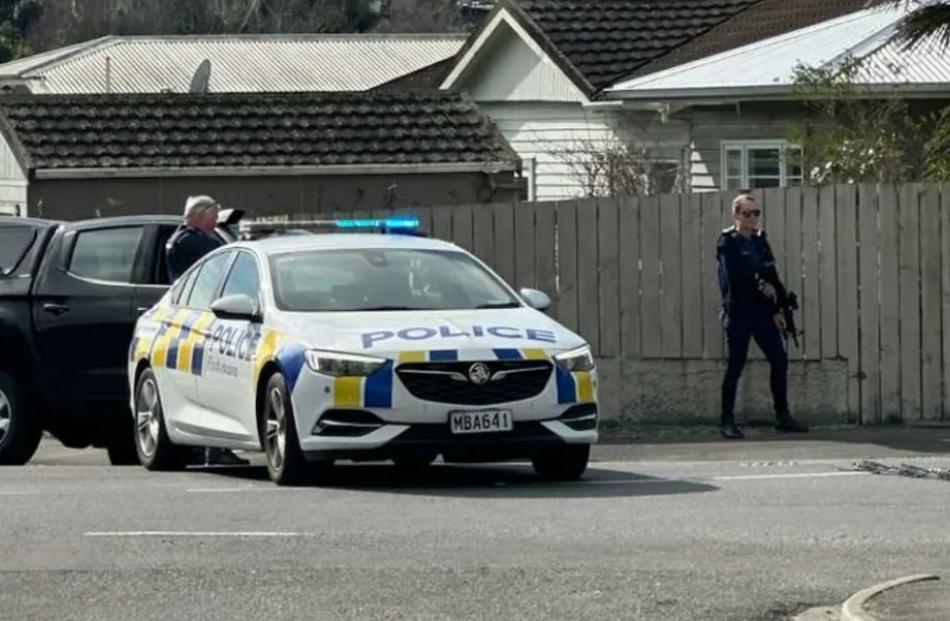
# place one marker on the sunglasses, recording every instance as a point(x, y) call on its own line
point(751, 213)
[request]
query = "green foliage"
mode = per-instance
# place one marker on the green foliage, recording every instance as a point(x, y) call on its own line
point(15, 17)
point(937, 148)
point(63, 22)
point(854, 135)
point(927, 20)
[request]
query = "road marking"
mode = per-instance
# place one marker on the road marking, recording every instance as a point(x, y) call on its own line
point(231, 490)
point(800, 475)
point(172, 533)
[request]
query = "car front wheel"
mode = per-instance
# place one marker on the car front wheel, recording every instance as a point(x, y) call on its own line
point(155, 450)
point(286, 464)
point(566, 463)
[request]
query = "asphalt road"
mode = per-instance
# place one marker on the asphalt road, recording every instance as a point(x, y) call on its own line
point(665, 531)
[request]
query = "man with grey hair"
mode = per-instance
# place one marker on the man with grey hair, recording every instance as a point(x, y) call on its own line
point(194, 238)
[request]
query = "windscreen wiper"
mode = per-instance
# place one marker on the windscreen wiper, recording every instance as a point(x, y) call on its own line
point(499, 305)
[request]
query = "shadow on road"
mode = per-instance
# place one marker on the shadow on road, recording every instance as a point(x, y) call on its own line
point(480, 481)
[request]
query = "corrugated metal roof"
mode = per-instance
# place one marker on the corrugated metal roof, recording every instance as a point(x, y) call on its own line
point(927, 63)
point(253, 63)
point(772, 61)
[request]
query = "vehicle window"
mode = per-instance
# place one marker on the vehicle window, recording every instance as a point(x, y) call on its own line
point(243, 277)
point(363, 280)
point(208, 280)
point(160, 274)
point(15, 242)
point(106, 254)
point(184, 286)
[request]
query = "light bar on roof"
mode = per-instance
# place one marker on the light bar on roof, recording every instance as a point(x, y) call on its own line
point(400, 224)
point(386, 223)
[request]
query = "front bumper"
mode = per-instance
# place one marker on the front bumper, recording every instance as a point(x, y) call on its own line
point(344, 420)
point(527, 438)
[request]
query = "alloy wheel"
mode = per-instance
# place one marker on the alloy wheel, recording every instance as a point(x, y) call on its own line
point(147, 417)
point(276, 430)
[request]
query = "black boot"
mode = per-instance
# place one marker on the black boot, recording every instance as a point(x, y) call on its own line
point(731, 431)
point(788, 424)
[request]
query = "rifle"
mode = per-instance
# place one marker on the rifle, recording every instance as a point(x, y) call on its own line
point(788, 307)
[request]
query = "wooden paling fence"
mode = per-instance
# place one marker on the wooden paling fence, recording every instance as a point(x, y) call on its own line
point(637, 278)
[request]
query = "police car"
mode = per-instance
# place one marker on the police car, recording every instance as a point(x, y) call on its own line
point(359, 346)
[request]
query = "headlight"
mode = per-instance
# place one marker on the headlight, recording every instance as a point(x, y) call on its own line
point(337, 363)
point(579, 359)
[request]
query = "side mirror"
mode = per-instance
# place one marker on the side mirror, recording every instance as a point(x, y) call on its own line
point(237, 306)
point(536, 299)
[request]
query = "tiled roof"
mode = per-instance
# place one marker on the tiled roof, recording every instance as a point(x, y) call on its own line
point(606, 40)
point(239, 63)
point(252, 130)
point(762, 20)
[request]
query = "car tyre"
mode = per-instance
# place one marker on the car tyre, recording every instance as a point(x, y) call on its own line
point(566, 463)
point(152, 445)
point(286, 464)
point(20, 429)
point(121, 446)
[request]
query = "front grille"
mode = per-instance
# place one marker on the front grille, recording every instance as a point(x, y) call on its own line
point(448, 382)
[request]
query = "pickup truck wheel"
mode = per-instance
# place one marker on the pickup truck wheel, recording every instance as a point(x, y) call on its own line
point(155, 450)
point(20, 431)
point(121, 444)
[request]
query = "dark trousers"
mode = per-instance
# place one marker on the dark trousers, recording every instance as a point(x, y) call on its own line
point(757, 324)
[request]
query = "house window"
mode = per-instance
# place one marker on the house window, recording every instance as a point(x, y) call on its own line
point(760, 164)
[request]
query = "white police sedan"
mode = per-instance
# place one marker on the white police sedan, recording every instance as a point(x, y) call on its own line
point(359, 346)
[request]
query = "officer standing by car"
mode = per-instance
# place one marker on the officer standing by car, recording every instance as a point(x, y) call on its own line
point(752, 298)
point(191, 241)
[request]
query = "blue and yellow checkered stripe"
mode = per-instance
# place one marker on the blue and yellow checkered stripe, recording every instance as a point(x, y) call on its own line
point(576, 387)
point(179, 344)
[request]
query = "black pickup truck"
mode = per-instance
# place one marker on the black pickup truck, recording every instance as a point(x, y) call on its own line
point(70, 294)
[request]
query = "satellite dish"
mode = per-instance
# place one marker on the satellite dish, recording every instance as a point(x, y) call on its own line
point(202, 78)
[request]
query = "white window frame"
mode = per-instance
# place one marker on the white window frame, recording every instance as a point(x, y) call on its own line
point(744, 145)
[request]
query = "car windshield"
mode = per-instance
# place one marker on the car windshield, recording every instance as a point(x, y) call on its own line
point(384, 279)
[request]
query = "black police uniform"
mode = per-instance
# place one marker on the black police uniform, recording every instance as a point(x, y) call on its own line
point(185, 247)
point(744, 264)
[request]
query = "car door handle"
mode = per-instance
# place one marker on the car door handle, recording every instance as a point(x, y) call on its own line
point(55, 309)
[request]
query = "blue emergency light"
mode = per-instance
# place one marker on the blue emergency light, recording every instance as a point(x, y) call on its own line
point(405, 225)
point(389, 224)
